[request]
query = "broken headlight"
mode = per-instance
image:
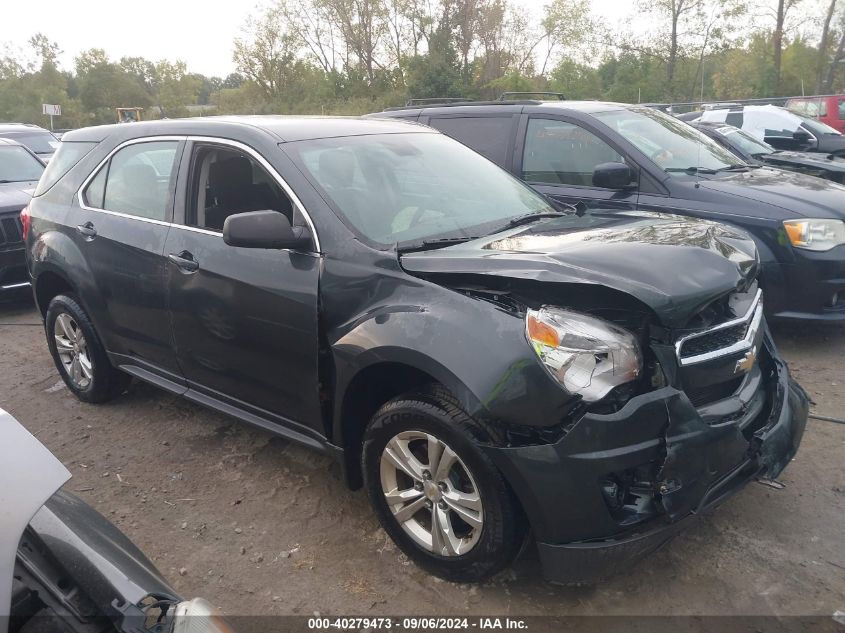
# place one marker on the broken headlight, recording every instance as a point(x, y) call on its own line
point(586, 355)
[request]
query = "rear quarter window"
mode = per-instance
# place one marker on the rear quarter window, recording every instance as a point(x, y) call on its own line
point(68, 155)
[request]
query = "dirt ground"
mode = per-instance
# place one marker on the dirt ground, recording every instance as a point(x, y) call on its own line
point(261, 526)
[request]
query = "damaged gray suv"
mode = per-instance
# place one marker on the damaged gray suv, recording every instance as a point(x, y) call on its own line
point(482, 362)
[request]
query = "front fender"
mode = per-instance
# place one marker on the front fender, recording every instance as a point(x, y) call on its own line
point(474, 348)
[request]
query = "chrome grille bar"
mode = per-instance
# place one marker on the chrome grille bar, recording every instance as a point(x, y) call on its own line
point(752, 319)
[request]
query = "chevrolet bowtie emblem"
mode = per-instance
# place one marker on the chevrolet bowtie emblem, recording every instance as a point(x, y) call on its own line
point(745, 363)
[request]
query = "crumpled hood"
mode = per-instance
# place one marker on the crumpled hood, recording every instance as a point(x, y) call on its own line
point(798, 194)
point(674, 265)
point(15, 195)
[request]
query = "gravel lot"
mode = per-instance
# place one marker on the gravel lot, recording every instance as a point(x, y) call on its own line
point(261, 526)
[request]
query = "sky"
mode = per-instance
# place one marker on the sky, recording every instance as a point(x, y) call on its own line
point(198, 32)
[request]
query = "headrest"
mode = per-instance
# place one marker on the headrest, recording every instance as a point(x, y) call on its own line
point(231, 172)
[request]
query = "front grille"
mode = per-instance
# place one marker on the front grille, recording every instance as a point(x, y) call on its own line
point(714, 341)
point(11, 230)
point(729, 337)
point(712, 393)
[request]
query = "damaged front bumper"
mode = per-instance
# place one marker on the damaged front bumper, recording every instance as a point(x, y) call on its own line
point(616, 487)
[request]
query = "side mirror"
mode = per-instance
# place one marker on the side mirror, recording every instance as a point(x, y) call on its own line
point(802, 138)
point(613, 176)
point(264, 229)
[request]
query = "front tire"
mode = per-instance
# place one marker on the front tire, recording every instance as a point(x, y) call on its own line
point(435, 492)
point(78, 353)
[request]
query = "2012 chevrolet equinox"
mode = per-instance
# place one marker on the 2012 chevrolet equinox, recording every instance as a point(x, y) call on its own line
point(481, 361)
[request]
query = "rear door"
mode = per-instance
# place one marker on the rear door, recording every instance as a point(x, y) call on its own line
point(244, 320)
point(557, 157)
point(120, 227)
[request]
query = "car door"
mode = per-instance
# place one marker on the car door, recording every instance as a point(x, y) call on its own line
point(120, 227)
point(557, 157)
point(244, 320)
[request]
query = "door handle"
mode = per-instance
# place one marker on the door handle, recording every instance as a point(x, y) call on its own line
point(185, 261)
point(87, 230)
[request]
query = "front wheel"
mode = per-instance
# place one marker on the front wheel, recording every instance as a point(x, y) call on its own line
point(78, 353)
point(436, 493)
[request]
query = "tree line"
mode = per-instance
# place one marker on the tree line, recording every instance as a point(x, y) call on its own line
point(356, 56)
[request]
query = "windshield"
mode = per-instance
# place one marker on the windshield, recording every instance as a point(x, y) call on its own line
point(670, 143)
point(816, 127)
point(18, 165)
point(38, 142)
point(409, 188)
point(744, 141)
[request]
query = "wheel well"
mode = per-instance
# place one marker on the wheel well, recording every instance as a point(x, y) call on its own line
point(370, 389)
point(47, 286)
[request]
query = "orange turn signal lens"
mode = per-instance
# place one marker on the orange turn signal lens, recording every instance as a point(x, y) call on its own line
point(541, 333)
point(796, 232)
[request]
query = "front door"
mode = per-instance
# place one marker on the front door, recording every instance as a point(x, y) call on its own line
point(558, 158)
point(244, 320)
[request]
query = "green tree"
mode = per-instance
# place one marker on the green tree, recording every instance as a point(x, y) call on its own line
point(437, 73)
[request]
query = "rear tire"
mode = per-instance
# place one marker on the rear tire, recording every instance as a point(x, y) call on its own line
point(435, 492)
point(78, 353)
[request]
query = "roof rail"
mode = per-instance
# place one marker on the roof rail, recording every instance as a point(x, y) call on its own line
point(435, 101)
point(506, 96)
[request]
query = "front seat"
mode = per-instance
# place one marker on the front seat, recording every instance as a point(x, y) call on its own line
point(233, 191)
point(337, 174)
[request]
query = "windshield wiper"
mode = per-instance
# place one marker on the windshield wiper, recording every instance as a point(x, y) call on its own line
point(440, 242)
point(530, 217)
point(735, 167)
point(691, 170)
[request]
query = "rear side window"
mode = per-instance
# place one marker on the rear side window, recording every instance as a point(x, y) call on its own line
point(841, 109)
point(137, 180)
point(66, 157)
point(486, 135)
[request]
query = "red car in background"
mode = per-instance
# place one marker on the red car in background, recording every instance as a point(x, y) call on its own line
point(829, 109)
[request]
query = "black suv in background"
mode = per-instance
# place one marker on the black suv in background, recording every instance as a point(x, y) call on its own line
point(478, 360)
point(20, 170)
point(617, 156)
point(40, 141)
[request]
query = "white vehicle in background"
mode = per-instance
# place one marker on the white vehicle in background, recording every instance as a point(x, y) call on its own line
point(64, 568)
point(780, 128)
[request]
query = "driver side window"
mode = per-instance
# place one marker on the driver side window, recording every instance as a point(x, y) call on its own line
point(559, 152)
point(225, 181)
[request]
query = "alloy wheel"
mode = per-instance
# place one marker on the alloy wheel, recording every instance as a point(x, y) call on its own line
point(72, 349)
point(431, 493)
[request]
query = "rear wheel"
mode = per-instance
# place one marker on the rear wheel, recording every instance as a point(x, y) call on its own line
point(434, 490)
point(78, 353)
